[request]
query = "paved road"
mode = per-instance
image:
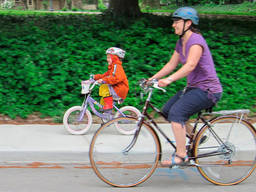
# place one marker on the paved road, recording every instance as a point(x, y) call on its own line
point(78, 178)
point(45, 158)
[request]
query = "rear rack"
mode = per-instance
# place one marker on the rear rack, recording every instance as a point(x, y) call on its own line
point(230, 112)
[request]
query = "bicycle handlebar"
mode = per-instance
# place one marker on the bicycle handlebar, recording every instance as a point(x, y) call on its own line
point(146, 84)
point(92, 82)
point(95, 81)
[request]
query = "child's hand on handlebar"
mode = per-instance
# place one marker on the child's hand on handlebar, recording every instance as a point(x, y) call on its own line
point(100, 81)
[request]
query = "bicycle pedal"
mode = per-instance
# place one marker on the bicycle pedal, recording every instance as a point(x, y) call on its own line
point(175, 167)
point(182, 166)
point(108, 116)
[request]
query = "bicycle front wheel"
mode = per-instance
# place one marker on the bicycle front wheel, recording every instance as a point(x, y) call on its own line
point(226, 151)
point(74, 124)
point(116, 165)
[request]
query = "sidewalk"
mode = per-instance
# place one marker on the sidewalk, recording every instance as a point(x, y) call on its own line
point(51, 143)
point(43, 143)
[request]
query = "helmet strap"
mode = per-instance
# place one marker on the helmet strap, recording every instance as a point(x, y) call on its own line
point(184, 31)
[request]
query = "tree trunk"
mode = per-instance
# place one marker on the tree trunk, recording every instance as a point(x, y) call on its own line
point(68, 4)
point(185, 2)
point(96, 3)
point(36, 5)
point(124, 8)
point(25, 4)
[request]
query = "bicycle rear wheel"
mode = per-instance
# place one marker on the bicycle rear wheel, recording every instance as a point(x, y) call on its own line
point(73, 124)
point(118, 167)
point(228, 154)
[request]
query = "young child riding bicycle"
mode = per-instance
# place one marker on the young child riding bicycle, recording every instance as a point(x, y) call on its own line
point(114, 80)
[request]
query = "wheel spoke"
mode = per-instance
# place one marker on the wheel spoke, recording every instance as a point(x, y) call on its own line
point(228, 155)
point(75, 122)
point(119, 168)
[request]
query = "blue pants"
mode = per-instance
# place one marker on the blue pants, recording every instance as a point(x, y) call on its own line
point(184, 104)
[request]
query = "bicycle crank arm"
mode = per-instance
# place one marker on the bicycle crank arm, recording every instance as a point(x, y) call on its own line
point(207, 165)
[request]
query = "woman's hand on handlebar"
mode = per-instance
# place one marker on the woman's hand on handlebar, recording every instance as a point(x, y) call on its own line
point(163, 82)
point(150, 79)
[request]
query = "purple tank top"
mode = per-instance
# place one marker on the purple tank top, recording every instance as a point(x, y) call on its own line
point(204, 75)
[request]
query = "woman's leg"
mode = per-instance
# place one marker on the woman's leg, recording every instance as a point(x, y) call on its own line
point(179, 132)
point(189, 128)
point(168, 105)
point(188, 104)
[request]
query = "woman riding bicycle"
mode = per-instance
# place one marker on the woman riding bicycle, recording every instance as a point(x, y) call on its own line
point(203, 87)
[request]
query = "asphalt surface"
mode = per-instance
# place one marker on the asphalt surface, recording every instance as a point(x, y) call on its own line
point(45, 158)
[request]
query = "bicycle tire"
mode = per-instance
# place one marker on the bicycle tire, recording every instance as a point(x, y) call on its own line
point(124, 169)
point(71, 123)
point(130, 112)
point(239, 146)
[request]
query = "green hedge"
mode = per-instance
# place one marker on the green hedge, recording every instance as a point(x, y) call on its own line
point(44, 58)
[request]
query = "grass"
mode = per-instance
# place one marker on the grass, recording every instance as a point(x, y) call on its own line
point(41, 12)
point(245, 8)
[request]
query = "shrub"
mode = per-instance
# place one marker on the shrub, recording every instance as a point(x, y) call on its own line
point(44, 58)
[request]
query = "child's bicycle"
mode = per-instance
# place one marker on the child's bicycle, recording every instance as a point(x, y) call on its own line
point(222, 148)
point(78, 119)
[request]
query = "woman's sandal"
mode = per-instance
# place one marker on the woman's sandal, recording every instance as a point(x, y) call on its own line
point(184, 161)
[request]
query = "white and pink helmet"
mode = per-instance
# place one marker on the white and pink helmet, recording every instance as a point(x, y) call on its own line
point(116, 51)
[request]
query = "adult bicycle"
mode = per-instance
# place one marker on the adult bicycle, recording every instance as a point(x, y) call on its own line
point(222, 147)
point(78, 119)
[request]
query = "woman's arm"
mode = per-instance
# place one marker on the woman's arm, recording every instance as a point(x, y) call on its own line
point(169, 67)
point(194, 55)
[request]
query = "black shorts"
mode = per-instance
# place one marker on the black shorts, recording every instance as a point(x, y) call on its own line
point(184, 104)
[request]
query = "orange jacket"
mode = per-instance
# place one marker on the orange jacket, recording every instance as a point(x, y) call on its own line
point(116, 77)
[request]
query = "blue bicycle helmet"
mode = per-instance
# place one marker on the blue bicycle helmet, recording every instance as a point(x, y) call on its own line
point(187, 13)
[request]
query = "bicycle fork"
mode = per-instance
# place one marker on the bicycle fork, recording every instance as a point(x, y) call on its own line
point(136, 134)
point(84, 107)
point(139, 124)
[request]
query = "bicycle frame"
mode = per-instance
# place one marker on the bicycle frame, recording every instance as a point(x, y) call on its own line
point(155, 126)
point(89, 101)
point(150, 120)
